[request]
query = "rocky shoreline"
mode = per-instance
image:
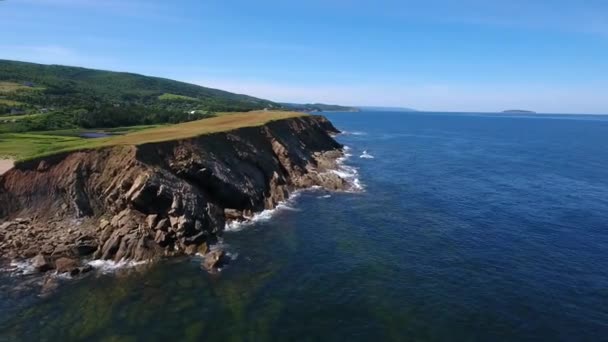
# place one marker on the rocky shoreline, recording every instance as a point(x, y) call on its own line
point(143, 203)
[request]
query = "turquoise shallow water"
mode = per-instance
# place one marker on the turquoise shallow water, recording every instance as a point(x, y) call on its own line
point(471, 227)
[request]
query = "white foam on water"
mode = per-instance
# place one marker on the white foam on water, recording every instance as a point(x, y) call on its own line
point(353, 133)
point(109, 266)
point(267, 214)
point(348, 173)
point(23, 267)
point(366, 155)
point(264, 216)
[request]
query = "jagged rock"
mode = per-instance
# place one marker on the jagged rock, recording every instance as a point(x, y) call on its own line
point(110, 247)
point(103, 224)
point(31, 252)
point(163, 225)
point(8, 226)
point(195, 240)
point(22, 221)
point(214, 260)
point(71, 266)
point(197, 249)
point(152, 220)
point(140, 202)
point(162, 238)
point(145, 249)
point(61, 250)
point(85, 248)
point(41, 263)
point(66, 265)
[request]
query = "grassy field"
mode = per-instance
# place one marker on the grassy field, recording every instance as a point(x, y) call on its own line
point(22, 147)
point(173, 97)
point(11, 87)
point(12, 118)
point(11, 103)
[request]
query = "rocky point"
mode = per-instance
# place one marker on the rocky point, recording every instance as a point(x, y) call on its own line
point(160, 199)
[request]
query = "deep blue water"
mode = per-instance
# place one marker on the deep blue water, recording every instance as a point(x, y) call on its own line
point(471, 227)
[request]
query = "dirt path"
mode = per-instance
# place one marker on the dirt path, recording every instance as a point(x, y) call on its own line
point(5, 165)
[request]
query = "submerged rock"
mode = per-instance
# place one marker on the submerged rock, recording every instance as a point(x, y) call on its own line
point(214, 260)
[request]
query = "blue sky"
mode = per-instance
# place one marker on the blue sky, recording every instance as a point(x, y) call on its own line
point(467, 55)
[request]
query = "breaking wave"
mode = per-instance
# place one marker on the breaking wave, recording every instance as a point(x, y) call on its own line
point(109, 266)
point(348, 173)
point(262, 216)
point(366, 155)
point(19, 267)
point(353, 133)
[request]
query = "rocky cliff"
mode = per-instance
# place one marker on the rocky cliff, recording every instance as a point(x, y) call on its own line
point(160, 199)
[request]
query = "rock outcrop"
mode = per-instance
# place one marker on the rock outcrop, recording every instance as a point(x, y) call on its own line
point(160, 199)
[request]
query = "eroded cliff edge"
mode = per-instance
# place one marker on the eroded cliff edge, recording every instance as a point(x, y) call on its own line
point(160, 199)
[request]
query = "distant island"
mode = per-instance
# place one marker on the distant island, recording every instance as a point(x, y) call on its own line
point(518, 111)
point(318, 107)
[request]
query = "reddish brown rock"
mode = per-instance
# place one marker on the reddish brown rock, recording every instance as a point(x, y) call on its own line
point(66, 265)
point(143, 202)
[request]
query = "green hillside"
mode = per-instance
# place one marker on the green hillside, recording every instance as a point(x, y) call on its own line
point(36, 97)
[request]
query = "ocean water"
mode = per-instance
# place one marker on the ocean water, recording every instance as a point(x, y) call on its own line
point(470, 227)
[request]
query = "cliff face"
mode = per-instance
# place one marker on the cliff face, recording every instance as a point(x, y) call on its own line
point(139, 203)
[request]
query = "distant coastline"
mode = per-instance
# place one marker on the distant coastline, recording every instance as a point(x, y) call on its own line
point(386, 109)
point(318, 107)
point(518, 111)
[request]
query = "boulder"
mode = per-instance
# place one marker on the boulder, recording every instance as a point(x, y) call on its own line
point(71, 266)
point(196, 249)
point(66, 265)
point(41, 263)
point(214, 260)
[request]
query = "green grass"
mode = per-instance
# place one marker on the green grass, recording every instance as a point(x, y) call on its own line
point(11, 103)
point(174, 97)
point(28, 146)
point(10, 118)
point(77, 132)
